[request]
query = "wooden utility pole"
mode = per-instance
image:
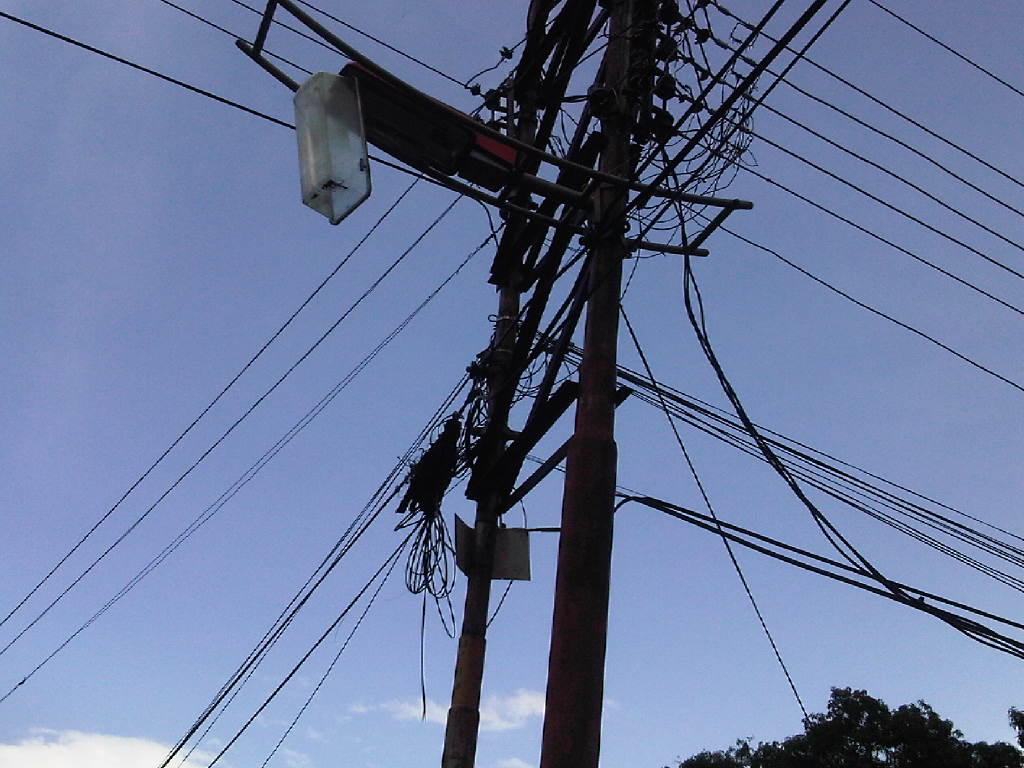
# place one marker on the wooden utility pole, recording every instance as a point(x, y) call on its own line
point(463, 723)
point(575, 689)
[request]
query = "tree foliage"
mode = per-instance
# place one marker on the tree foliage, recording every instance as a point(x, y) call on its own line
point(859, 731)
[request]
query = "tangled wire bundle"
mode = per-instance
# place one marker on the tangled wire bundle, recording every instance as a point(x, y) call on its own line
point(429, 567)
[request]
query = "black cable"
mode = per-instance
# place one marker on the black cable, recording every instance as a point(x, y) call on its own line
point(885, 240)
point(877, 312)
point(831, 533)
point(804, 452)
point(231, 34)
point(902, 179)
point(714, 516)
point(990, 636)
point(377, 503)
point(211, 404)
point(147, 70)
point(854, 493)
point(898, 141)
point(377, 40)
point(251, 473)
point(946, 47)
point(879, 102)
point(238, 421)
point(386, 565)
point(896, 209)
point(331, 666)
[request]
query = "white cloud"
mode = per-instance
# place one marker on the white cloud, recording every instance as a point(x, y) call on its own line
point(504, 713)
point(74, 749)
point(513, 762)
point(294, 759)
point(497, 713)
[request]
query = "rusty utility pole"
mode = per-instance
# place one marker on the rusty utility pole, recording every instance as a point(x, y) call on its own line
point(575, 688)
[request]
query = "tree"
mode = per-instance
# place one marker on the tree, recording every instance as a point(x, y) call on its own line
point(860, 731)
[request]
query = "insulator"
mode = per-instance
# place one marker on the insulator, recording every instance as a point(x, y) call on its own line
point(642, 130)
point(667, 48)
point(663, 125)
point(665, 87)
point(601, 100)
point(492, 99)
point(669, 12)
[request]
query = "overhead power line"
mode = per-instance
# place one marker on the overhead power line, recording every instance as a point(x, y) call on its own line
point(874, 99)
point(210, 405)
point(229, 33)
point(894, 208)
point(874, 311)
point(370, 512)
point(250, 474)
point(711, 511)
point(213, 446)
point(902, 179)
point(890, 243)
point(901, 143)
point(844, 573)
point(147, 70)
point(967, 60)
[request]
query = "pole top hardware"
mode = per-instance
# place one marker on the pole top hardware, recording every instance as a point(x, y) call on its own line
point(440, 141)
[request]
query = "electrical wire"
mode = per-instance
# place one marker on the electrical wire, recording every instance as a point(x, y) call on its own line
point(385, 567)
point(370, 512)
point(886, 241)
point(845, 488)
point(380, 220)
point(970, 62)
point(309, 351)
point(687, 404)
point(147, 70)
point(874, 99)
point(229, 33)
point(828, 103)
point(691, 293)
point(900, 594)
point(251, 473)
point(714, 516)
point(380, 42)
point(879, 313)
point(332, 665)
point(903, 180)
point(894, 208)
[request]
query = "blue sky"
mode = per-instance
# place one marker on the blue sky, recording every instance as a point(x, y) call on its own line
point(153, 240)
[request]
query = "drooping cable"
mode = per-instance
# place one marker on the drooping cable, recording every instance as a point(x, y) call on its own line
point(901, 594)
point(213, 446)
point(691, 292)
point(344, 260)
point(250, 474)
point(714, 516)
